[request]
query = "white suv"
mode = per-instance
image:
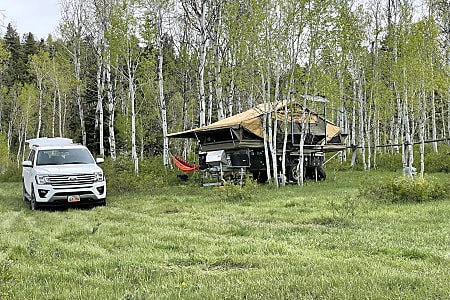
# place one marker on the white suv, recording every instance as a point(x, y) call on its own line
point(59, 172)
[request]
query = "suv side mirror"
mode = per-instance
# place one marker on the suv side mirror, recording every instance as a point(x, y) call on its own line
point(27, 163)
point(99, 160)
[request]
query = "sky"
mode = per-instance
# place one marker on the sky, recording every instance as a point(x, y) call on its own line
point(40, 17)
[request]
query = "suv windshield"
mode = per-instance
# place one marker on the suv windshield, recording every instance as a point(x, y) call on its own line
point(64, 156)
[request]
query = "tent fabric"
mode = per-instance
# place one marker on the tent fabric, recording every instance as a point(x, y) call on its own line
point(251, 120)
point(248, 119)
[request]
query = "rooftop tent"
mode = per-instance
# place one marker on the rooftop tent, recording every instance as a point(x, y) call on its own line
point(248, 125)
point(250, 120)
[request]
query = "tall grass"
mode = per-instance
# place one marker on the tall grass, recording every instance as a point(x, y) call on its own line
point(320, 241)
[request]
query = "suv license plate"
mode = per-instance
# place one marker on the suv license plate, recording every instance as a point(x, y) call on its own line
point(74, 198)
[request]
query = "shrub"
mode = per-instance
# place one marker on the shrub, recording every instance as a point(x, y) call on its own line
point(389, 161)
point(121, 177)
point(437, 162)
point(238, 192)
point(11, 175)
point(404, 189)
point(384, 161)
point(434, 161)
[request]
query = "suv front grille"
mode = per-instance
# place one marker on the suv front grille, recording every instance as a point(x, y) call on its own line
point(79, 179)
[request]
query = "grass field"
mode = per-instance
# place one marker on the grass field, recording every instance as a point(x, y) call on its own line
point(314, 242)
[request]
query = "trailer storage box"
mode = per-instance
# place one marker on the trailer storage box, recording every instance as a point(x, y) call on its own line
point(216, 157)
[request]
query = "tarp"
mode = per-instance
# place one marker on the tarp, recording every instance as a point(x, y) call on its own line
point(249, 119)
point(252, 121)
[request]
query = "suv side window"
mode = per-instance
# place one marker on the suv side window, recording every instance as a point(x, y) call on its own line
point(31, 156)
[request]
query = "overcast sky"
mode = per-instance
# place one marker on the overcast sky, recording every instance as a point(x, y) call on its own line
point(40, 17)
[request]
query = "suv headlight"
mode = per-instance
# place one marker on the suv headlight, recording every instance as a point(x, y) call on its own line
point(42, 179)
point(99, 176)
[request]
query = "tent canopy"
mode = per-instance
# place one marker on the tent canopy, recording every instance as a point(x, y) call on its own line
point(252, 121)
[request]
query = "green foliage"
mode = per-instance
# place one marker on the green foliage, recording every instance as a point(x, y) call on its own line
point(405, 189)
point(438, 162)
point(4, 159)
point(434, 161)
point(11, 175)
point(121, 177)
point(231, 191)
point(389, 161)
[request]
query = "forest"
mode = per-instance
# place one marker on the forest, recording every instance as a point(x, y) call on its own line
point(118, 76)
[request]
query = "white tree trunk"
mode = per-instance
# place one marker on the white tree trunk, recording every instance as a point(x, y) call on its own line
point(77, 65)
point(303, 129)
point(210, 102)
point(422, 121)
point(132, 94)
point(100, 90)
point(41, 95)
point(111, 107)
point(162, 100)
point(202, 64)
point(273, 143)
point(218, 77)
point(408, 158)
point(361, 118)
point(433, 122)
point(266, 122)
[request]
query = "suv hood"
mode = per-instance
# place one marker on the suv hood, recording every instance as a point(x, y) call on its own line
point(68, 169)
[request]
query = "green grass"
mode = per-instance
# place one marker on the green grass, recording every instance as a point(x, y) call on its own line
point(319, 241)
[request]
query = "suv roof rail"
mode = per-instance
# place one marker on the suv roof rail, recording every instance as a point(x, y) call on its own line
point(39, 142)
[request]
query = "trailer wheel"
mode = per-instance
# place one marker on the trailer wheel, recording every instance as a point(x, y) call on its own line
point(293, 174)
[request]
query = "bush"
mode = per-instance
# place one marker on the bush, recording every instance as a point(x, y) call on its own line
point(238, 192)
point(389, 161)
point(437, 162)
point(121, 177)
point(385, 161)
point(404, 189)
point(11, 175)
point(434, 162)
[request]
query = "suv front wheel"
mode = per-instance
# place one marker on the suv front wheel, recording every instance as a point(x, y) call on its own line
point(33, 204)
point(24, 192)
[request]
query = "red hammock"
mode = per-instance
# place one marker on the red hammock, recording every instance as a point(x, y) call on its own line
point(184, 165)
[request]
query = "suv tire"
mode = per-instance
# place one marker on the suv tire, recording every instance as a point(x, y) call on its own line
point(33, 204)
point(24, 192)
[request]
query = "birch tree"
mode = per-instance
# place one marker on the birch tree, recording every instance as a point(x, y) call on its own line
point(60, 83)
point(126, 46)
point(28, 108)
point(102, 11)
point(199, 16)
point(40, 64)
point(440, 12)
point(158, 16)
point(73, 30)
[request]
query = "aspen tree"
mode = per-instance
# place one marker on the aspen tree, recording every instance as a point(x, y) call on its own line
point(158, 11)
point(73, 30)
point(125, 45)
